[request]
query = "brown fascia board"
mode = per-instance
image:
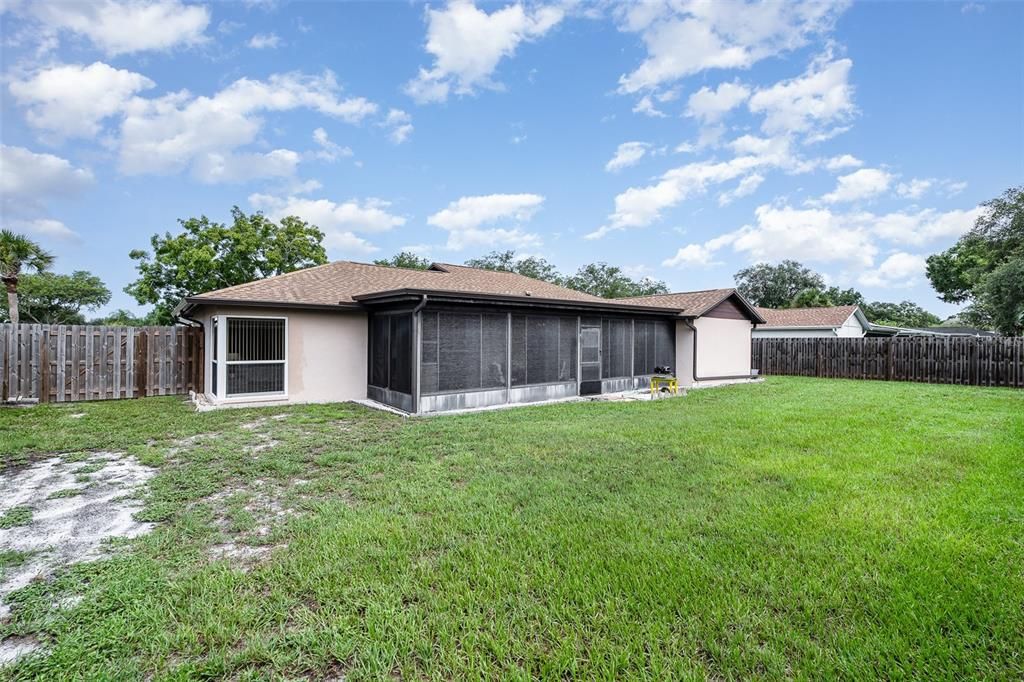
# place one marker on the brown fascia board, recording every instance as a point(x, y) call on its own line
point(469, 296)
point(192, 301)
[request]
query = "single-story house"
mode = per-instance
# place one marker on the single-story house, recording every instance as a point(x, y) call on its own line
point(453, 337)
point(844, 321)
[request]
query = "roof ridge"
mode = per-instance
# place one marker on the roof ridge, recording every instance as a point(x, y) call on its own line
point(390, 267)
point(678, 293)
point(277, 276)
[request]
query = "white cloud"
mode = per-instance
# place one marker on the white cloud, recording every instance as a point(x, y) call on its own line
point(860, 184)
point(815, 235)
point(641, 206)
point(72, 100)
point(46, 227)
point(747, 186)
point(824, 236)
point(126, 26)
point(465, 220)
point(467, 44)
point(953, 188)
point(925, 226)
point(341, 222)
point(687, 38)
point(179, 130)
point(265, 41)
point(821, 97)
point(627, 154)
point(329, 150)
point(27, 179)
point(710, 105)
point(914, 189)
point(215, 167)
point(692, 255)
point(843, 162)
point(901, 269)
point(400, 124)
point(645, 105)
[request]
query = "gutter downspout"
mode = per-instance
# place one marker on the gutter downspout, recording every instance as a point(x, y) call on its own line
point(699, 378)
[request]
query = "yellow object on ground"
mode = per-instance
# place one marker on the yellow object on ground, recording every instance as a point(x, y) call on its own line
point(669, 382)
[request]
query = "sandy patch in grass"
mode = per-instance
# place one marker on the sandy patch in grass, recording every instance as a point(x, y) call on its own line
point(14, 648)
point(70, 527)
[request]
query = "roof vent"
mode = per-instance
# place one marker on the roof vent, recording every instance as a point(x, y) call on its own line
point(528, 292)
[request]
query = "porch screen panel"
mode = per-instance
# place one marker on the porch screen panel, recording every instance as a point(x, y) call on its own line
point(567, 343)
point(640, 363)
point(255, 355)
point(428, 353)
point(400, 353)
point(617, 348)
point(543, 349)
point(458, 352)
point(519, 349)
point(379, 337)
point(664, 344)
point(494, 351)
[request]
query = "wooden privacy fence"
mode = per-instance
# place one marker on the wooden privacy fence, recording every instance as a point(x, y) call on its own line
point(976, 361)
point(63, 363)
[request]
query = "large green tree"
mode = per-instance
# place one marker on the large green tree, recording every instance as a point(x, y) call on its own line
point(404, 259)
point(507, 261)
point(125, 318)
point(207, 255)
point(608, 281)
point(51, 298)
point(985, 268)
point(776, 286)
point(18, 253)
point(903, 314)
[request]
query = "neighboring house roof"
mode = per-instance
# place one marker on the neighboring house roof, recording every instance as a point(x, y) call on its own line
point(807, 318)
point(348, 284)
point(697, 303)
point(959, 331)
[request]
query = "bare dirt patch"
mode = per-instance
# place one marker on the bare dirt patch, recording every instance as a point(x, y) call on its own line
point(72, 515)
point(14, 648)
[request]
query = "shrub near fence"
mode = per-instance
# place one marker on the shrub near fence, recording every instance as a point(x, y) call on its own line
point(63, 363)
point(976, 361)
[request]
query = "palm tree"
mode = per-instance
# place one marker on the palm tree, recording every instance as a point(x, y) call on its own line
point(17, 252)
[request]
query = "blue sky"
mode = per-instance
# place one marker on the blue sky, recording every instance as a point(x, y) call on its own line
point(680, 141)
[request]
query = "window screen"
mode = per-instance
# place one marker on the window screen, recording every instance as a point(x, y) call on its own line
point(463, 351)
point(255, 355)
point(391, 352)
point(617, 348)
point(379, 335)
point(653, 346)
point(400, 354)
point(543, 349)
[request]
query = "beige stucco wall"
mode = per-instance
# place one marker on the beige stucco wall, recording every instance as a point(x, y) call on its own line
point(684, 354)
point(723, 347)
point(327, 352)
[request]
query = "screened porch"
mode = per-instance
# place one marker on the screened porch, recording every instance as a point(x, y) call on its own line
point(444, 359)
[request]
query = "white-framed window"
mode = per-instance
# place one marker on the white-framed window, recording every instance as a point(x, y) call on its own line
point(250, 356)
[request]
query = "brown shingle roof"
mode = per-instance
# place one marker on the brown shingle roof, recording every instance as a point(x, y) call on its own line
point(690, 302)
point(345, 281)
point(807, 317)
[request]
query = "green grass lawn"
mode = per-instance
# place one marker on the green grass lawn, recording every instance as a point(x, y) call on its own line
point(797, 528)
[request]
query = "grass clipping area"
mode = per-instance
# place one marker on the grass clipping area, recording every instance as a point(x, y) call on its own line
point(795, 528)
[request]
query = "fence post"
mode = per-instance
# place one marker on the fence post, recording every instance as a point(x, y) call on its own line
point(44, 366)
point(141, 342)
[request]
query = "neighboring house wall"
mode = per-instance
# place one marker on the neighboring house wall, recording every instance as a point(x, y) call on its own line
point(327, 352)
point(851, 328)
point(723, 347)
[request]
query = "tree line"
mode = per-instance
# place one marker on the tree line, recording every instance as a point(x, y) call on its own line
point(984, 270)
